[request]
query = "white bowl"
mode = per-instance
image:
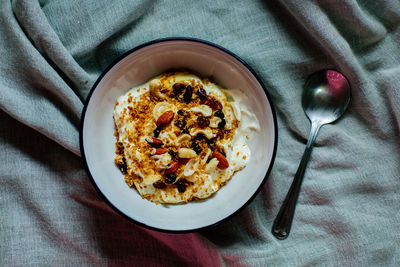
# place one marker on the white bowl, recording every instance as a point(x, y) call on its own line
point(136, 67)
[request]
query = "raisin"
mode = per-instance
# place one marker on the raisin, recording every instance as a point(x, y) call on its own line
point(211, 143)
point(202, 94)
point(185, 130)
point(172, 153)
point(220, 134)
point(156, 132)
point(196, 147)
point(170, 178)
point(181, 112)
point(222, 124)
point(178, 89)
point(200, 136)
point(203, 121)
point(187, 96)
point(219, 114)
point(159, 185)
point(181, 185)
point(180, 123)
point(213, 103)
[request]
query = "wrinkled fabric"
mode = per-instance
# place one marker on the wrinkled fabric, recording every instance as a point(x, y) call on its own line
point(52, 51)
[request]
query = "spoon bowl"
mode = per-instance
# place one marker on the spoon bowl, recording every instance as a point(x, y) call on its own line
point(325, 98)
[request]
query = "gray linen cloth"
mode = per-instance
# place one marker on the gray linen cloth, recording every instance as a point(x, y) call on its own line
point(348, 211)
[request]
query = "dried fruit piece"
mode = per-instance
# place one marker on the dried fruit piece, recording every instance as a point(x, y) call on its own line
point(165, 118)
point(220, 134)
point(222, 124)
point(170, 178)
point(157, 132)
point(219, 114)
point(202, 121)
point(213, 103)
point(202, 94)
point(223, 162)
point(196, 147)
point(211, 142)
point(155, 142)
point(159, 184)
point(161, 150)
point(187, 96)
point(178, 88)
point(181, 185)
point(172, 168)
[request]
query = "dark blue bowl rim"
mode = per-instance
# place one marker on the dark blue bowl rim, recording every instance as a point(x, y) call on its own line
point(161, 40)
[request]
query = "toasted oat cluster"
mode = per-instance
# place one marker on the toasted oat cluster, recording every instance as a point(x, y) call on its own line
point(174, 138)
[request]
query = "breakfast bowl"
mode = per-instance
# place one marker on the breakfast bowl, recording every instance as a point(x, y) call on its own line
point(139, 65)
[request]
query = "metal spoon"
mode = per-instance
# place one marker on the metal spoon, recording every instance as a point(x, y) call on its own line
point(325, 97)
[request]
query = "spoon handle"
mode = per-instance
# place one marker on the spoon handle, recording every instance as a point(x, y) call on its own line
point(283, 220)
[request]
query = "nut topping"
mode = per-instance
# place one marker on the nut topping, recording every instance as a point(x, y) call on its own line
point(154, 142)
point(223, 162)
point(165, 118)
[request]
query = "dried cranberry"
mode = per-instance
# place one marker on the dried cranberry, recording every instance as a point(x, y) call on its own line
point(222, 124)
point(181, 185)
point(187, 96)
point(170, 178)
point(203, 121)
point(219, 114)
point(159, 185)
point(202, 94)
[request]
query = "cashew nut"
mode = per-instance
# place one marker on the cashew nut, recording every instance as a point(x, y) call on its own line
point(214, 122)
point(190, 167)
point(203, 109)
point(211, 165)
point(160, 108)
point(207, 132)
point(155, 89)
point(181, 139)
point(150, 179)
point(186, 153)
